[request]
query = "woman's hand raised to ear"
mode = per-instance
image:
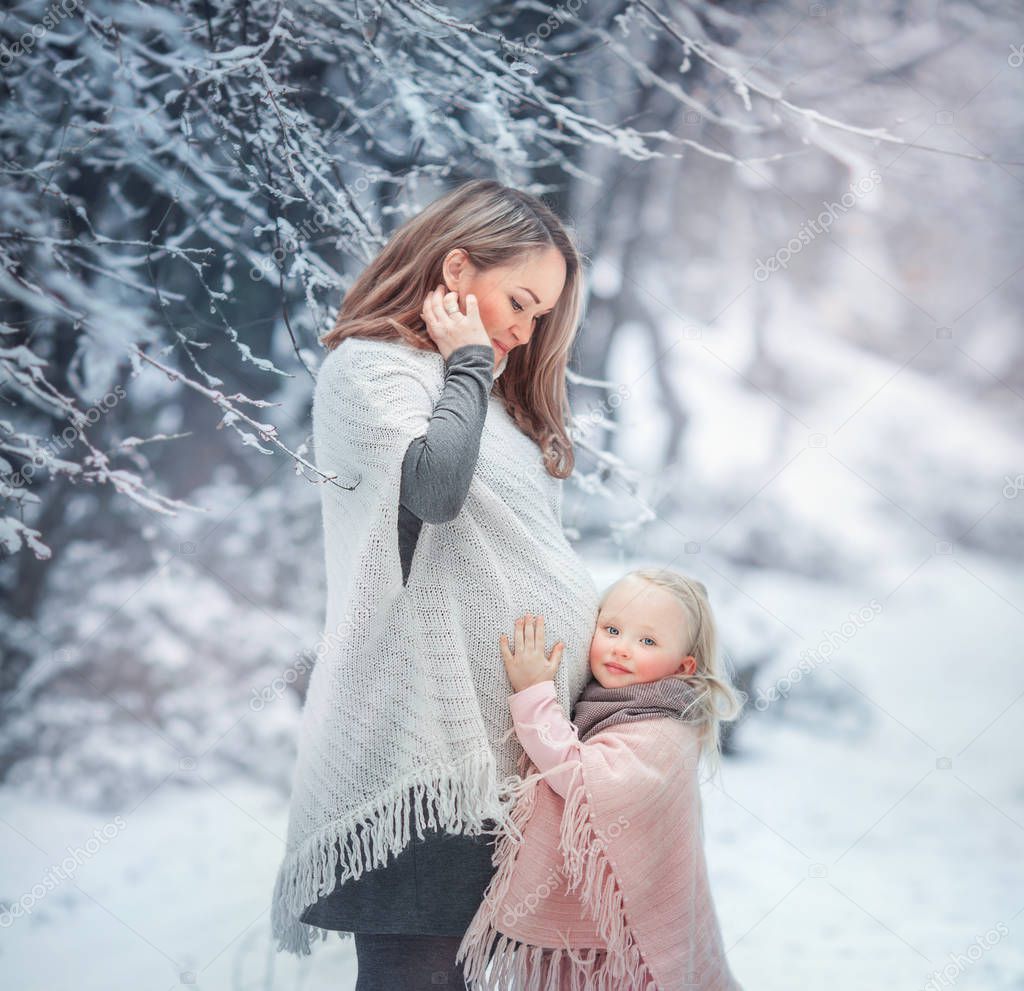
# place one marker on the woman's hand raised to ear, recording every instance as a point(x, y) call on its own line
point(528, 665)
point(452, 330)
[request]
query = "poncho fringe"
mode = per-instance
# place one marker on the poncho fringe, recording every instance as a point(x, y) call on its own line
point(494, 961)
point(456, 802)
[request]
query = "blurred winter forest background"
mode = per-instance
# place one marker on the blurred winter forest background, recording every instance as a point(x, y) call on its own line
point(800, 377)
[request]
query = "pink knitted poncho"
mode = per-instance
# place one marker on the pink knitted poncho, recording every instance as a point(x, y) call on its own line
point(606, 887)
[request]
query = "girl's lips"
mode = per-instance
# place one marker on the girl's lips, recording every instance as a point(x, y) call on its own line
point(616, 667)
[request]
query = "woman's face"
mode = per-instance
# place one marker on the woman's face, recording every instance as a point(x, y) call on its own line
point(511, 298)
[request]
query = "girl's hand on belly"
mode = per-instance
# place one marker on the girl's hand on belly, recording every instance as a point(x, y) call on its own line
point(528, 665)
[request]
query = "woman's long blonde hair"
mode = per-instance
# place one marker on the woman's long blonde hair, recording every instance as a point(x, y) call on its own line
point(495, 225)
point(719, 701)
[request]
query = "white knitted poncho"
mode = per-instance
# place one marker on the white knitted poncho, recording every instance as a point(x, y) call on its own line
point(409, 690)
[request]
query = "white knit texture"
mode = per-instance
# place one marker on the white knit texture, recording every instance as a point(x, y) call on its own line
point(409, 691)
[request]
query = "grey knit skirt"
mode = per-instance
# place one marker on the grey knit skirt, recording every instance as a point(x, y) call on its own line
point(433, 887)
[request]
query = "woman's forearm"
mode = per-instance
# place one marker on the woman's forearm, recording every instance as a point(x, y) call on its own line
point(438, 466)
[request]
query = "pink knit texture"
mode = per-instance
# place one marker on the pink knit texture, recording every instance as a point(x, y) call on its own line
point(607, 889)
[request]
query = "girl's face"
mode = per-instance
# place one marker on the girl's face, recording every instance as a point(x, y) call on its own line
point(641, 635)
point(511, 298)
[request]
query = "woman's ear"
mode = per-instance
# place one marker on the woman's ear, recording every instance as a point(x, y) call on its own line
point(452, 267)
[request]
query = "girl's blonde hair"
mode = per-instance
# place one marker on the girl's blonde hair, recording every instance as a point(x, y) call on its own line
point(495, 225)
point(719, 701)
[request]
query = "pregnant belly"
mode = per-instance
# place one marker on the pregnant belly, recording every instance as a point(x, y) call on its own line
point(471, 587)
point(525, 570)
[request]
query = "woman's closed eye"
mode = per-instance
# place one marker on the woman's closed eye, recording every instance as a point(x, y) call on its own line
point(518, 308)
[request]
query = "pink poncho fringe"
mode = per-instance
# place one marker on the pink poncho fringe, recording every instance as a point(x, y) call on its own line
point(604, 953)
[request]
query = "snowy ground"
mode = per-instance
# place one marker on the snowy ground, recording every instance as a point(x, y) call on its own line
point(840, 860)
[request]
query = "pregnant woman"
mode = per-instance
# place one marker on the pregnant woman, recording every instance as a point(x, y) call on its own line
point(441, 413)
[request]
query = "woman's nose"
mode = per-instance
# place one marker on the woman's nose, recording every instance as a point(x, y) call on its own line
point(522, 331)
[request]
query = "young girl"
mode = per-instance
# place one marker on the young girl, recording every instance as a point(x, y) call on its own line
point(605, 887)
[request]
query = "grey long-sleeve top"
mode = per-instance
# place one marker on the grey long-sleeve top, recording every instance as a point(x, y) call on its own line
point(439, 465)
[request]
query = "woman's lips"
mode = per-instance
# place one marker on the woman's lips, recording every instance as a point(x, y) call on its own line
point(501, 347)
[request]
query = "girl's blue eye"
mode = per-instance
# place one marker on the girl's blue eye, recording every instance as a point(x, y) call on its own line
point(650, 638)
point(611, 628)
